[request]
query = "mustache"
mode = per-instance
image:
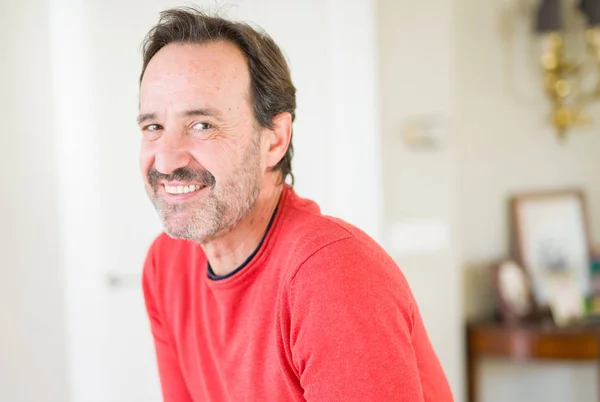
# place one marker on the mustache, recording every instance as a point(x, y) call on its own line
point(201, 176)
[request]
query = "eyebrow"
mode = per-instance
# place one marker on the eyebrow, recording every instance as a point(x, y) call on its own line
point(145, 117)
point(188, 113)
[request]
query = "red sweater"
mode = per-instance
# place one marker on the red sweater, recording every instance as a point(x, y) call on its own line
point(320, 313)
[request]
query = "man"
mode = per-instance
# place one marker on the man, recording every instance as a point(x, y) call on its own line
point(252, 294)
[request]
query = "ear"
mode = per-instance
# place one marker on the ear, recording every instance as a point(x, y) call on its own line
point(278, 139)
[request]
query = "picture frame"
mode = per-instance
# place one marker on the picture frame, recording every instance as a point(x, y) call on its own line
point(513, 292)
point(551, 234)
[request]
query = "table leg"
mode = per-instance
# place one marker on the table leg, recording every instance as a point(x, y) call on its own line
point(472, 387)
point(598, 370)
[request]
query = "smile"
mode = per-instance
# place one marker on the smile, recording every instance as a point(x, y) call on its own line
point(183, 189)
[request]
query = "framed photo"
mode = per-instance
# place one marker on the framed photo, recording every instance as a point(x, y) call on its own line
point(512, 289)
point(551, 236)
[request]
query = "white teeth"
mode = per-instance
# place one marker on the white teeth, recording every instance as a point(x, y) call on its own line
point(182, 189)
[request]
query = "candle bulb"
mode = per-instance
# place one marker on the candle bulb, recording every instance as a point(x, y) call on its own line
point(591, 10)
point(549, 16)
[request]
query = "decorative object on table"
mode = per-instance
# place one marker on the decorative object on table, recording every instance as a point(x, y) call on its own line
point(564, 78)
point(592, 308)
point(512, 290)
point(551, 237)
point(595, 273)
point(564, 298)
point(592, 301)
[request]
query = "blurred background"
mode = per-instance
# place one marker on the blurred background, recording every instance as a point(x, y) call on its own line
point(417, 121)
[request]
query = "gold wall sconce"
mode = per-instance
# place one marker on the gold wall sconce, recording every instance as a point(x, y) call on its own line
point(567, 82)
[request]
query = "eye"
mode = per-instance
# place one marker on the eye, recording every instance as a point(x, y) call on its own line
point(152, 127)
point(202, 126)
point(152, 132)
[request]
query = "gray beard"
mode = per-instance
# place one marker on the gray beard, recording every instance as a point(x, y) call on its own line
point(208, 220)
point(224, 207)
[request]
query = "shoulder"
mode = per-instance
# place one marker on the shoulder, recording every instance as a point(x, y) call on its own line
point(354, 266)
point(302, 230)
point(326, 250)
point(349, 283)
point(337, 264)
point(304, 234)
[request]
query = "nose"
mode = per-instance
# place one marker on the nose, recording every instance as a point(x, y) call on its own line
point(171, 152)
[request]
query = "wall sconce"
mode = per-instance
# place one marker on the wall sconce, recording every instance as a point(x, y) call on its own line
point(562, 75)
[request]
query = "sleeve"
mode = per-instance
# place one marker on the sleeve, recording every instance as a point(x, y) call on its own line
point(173, 385)
point(351, 331)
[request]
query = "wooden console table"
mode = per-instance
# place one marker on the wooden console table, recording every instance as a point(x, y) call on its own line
point(526, 342)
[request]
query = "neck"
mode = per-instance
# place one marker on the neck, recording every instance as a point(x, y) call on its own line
point(230, 250)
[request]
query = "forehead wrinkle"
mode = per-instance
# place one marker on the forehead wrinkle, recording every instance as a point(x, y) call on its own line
point(207, 76)
point(169, 83)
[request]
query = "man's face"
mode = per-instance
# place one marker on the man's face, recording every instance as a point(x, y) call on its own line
point(201, 148)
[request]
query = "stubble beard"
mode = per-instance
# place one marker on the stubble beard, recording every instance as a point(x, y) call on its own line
point(227, 203)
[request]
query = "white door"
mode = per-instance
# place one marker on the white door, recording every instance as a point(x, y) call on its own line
point(110, 223)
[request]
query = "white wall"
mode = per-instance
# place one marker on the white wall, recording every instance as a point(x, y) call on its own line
point(416, 70)
point(32, 331)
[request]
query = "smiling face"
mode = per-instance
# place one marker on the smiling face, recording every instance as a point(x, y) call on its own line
point(202, 156)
